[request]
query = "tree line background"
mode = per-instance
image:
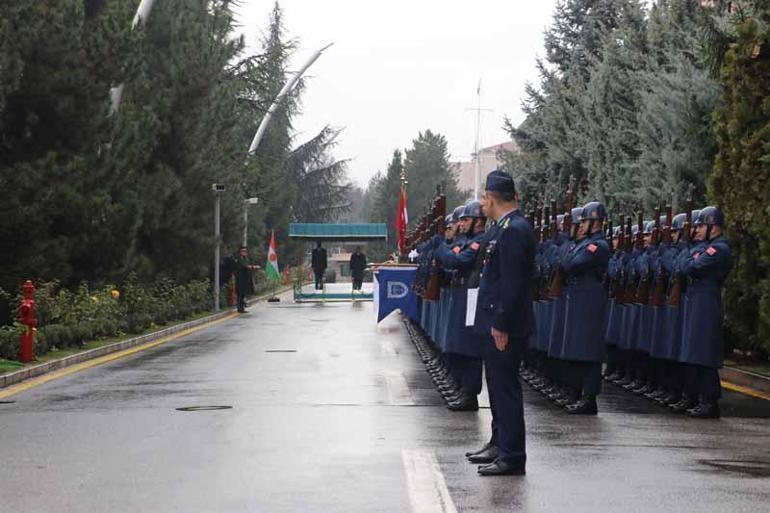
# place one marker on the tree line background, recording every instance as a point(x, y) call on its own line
point(644, 105)
point(638, 103)
point(87, 195)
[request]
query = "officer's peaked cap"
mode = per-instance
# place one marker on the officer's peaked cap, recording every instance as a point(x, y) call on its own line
point(711, 216)
point(472, 209)
point(593, 211)
point(500, 181)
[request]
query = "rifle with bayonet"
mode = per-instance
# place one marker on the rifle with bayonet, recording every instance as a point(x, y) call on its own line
point(557, 280)
point(661, 281)
point(677, 284)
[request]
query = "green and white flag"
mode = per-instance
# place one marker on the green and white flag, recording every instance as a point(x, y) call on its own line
point(271, 269)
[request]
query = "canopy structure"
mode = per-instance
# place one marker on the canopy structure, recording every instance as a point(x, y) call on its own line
point(354, 232)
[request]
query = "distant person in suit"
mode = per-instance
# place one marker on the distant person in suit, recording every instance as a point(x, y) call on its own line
point(318, 263)
point(357, 266)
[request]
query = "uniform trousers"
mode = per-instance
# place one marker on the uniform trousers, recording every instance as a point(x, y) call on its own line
point(702, 383)
point(319, 278)
point(467, 371)
point(506, 399)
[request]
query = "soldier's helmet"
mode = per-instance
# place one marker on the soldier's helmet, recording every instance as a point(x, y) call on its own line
point(662, 221)
point(593, 211)
point(472, 209)
point(677, 223)
point(615, 231)
point(457, 212)
point(710, 216)
point(559, 219)
point(448, 220)
point(634, 229)
point(694, 215)
point(576, 213)
point(648, 226)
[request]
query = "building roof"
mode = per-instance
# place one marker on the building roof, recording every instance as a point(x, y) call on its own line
point(339, 231)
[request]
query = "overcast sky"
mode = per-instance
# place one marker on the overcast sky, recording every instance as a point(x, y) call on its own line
point(401, 66)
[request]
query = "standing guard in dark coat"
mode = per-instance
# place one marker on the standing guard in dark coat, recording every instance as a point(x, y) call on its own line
point(565, 393)
point(586, 299)
point(706, 267)
point(671, 335)
point(318, 263)
point(615, 310)
point(505, 320)
point(244, 284)
point(462, 344)
point(357, 266)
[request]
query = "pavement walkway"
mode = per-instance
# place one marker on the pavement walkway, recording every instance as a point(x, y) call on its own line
point(324, 411)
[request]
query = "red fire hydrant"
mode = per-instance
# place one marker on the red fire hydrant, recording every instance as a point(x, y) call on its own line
point(27, 318)
point(233, 294)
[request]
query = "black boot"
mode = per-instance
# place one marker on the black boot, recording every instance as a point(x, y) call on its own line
point(684, 404)
point(705, 410)
point(586, 406)
point(465, 404)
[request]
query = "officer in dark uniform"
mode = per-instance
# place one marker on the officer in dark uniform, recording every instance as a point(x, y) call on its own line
point(318, 263)
point(244, 284)
point(706, 266)
point(586, 299)
point(357, 266)
point(462, 344)
point(505, 320)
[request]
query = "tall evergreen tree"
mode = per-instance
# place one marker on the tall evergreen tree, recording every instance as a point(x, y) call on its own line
point(741, 178)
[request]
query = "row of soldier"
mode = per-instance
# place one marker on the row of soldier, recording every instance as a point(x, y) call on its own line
point(639, 306)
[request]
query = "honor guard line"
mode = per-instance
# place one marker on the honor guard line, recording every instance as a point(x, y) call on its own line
point(335, 232)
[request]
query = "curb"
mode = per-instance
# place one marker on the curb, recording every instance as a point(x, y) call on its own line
point(44, 368)
point(34, 371)
point(746, 379)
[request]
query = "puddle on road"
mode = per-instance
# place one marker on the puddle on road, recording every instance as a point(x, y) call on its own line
point(753, 468)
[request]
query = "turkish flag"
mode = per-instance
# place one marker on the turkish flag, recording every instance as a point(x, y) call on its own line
point(402, 219)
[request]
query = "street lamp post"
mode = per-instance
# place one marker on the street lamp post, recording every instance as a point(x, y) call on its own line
point(246, 203)
point(218, 190)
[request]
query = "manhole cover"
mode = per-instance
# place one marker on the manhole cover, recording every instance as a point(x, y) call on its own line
point(751, 467)
point(205, 408)
point(7, 402)
point(280, 350)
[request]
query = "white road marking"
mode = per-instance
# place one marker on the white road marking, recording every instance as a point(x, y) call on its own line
point(428, 492)
point(398, 391)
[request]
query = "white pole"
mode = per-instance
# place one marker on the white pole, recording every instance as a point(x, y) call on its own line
point(273, 106)
point(216, 252)
point(142, 13)
point(245, 224)
point(477, 170)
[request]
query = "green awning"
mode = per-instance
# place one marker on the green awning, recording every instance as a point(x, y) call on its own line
point(338, 231)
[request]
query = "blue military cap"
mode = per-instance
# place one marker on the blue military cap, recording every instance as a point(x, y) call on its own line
point(500, 181)
point(457, 213)
point(472, 209)
point(710, 216)
point(678, 222)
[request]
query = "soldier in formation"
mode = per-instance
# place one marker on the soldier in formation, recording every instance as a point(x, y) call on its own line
point(567, 302)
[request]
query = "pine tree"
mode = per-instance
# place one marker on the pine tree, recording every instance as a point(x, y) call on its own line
point(741, 177)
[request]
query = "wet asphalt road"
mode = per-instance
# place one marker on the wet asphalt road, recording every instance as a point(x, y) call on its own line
point(331, 413)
